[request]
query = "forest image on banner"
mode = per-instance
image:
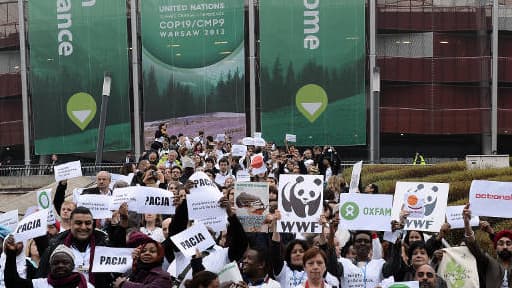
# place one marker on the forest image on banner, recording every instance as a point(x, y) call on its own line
point(193, 66)
point(312, 75)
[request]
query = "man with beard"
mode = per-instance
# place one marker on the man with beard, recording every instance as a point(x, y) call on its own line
point(493, 273)
point(427, 277)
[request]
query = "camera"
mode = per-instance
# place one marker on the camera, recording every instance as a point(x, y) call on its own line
point(154, 174)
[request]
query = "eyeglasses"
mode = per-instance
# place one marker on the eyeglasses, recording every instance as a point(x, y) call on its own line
point(362, 240)
point(422, 274)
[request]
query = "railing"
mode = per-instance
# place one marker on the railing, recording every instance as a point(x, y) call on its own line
point(37, 169)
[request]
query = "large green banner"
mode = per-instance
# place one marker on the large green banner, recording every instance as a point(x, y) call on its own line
point(312, 71)
point(193, 66)
point(72, 44)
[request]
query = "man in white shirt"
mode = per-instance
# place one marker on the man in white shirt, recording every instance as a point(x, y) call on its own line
point(255, 269)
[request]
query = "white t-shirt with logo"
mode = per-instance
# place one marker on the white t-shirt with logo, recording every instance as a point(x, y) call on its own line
point(365, 275)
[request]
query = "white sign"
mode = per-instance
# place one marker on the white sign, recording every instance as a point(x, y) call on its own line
point(118, 177)
point(67, 171)
point(203, 202)
point(491, 198)
point(455, 219)
point(109, 259)
point(257, 135)
point(76, 193)
point(230, 272)
point(32, 226)
point(195, 237)
point(98, 204)
point(9, 219)
point(356, 175)
point(220, 137)
point(248, 141)
point(290, 137)
point(124, 195)
point(365, 211)
point(239, 150)
point(154, 201)
point(259, 142)
point(425, 202)
point(300, 203)
point(44, 199)
point(243, 176)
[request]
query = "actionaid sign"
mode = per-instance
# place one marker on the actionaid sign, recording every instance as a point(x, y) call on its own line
point(491, 198)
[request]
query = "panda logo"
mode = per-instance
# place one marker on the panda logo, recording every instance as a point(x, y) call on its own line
point(301, 197)
point(421, 200)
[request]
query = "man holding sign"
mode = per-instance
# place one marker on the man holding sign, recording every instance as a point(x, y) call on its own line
point(82, 239)
point(495, 272)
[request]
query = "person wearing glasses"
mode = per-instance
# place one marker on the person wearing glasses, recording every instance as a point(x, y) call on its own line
point(427, 277)
point(364, 271)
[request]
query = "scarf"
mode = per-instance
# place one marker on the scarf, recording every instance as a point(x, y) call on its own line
point(92, 244)
point(73, 280)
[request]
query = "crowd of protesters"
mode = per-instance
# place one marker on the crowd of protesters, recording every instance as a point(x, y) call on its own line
point(268, 259)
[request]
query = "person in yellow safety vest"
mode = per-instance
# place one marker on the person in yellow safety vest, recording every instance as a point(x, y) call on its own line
point(418, 159)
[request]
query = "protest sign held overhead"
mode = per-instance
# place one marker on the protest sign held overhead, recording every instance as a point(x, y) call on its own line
point(32, 226)
point(67, 171)
point(238, 150)
point(258, 165)
point(455, 219)
point(251, 202)
point(365, 211)
point(118, 177)
point(154, 200)
point(107, 259)
point(290, 138)
point(44, 198)
point(425, 202)
point(124, 195)
point(356, 176)
point(203, 202)
point(300, 203)
point(9, 219)
point(195, 237)
point(248, 141)
point(98, 204)
point(491, 198)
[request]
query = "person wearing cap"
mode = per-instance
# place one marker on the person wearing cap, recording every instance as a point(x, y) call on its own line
point(492, 272)
point(61, 270)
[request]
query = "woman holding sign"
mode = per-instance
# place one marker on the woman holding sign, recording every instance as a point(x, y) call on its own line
point(147, 271)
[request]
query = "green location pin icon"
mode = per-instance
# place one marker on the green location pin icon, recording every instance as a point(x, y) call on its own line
point(311, 100)
point(81, 109)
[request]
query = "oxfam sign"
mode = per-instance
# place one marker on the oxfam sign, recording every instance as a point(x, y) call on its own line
point(365, 211)
point(192, 34)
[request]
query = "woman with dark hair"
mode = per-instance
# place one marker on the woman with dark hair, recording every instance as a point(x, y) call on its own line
point(147, 270)
point(203, 279)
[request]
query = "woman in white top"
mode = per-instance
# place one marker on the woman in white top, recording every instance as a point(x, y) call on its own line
point(314, 261)
point(151, 227)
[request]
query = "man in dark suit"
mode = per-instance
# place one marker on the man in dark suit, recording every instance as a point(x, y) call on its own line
point(103, 179)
